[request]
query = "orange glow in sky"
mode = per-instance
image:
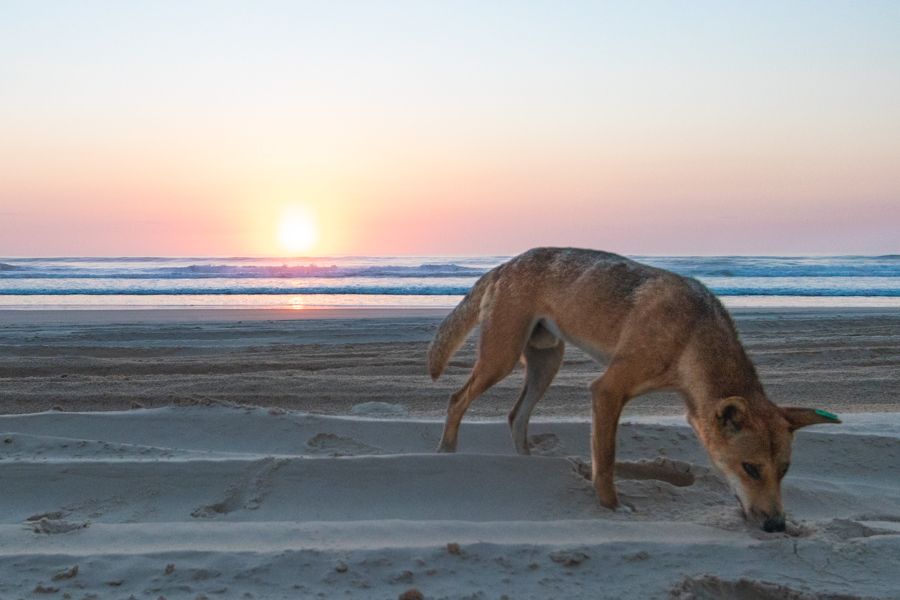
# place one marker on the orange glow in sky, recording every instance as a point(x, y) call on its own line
point(429, 128)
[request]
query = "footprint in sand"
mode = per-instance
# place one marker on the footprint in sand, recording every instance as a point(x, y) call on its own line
point(709, 587)
point(846, 529)
point(674, 472)
point(331, 444)
point(48, 526)
point(247, 494)
point(545, 444)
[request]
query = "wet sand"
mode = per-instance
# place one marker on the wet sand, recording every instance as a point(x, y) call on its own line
point(327, 361)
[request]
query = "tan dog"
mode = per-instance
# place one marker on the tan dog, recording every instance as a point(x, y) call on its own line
point(657, 329)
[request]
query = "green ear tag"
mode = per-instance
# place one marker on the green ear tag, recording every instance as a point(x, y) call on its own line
point(826, 414)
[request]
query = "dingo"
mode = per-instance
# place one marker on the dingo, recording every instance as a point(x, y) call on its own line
point(657, 329)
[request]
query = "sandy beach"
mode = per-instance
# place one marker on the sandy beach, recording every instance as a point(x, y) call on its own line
point(289, 454)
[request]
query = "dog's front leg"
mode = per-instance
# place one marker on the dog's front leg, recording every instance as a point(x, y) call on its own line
point(607, 403)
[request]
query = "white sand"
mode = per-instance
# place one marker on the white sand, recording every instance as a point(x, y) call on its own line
point(230, 502)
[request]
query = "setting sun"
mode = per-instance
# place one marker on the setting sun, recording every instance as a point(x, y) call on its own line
point(297, 231)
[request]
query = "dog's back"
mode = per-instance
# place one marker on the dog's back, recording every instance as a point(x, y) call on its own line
point(587, 297)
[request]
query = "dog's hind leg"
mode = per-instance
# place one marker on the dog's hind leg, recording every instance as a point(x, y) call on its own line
point(541, 366)
point(502, 340)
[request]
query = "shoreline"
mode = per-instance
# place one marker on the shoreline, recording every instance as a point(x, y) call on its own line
point(84, 316)
point(102, 315)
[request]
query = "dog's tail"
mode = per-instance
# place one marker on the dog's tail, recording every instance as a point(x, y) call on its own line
point(454, 329)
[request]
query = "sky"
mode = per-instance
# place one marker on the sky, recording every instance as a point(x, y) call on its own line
point(205, 128)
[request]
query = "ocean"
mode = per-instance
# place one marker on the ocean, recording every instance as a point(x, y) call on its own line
point(409, 281)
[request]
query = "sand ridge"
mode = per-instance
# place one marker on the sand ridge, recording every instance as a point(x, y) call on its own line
point(281, 504)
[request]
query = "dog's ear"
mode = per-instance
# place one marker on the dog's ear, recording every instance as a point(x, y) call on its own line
point(731, 414)
point(801, 417)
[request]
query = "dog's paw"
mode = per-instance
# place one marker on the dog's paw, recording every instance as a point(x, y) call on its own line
point(624, 508)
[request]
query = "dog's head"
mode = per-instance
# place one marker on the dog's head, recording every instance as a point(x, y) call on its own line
point(752, 449)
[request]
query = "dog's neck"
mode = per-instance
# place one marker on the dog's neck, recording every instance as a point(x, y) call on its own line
point(716, 366)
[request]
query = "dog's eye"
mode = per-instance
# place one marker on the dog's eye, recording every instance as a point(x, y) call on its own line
point(752, 470)
point(783, 471)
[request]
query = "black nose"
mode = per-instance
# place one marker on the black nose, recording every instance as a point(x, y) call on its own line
point(775, 523)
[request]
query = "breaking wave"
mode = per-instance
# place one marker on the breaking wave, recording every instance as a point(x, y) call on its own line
point(450, 290)
point(836, 276)
point(214, 271)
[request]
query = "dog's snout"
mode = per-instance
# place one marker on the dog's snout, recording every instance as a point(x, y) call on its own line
point(774, 523)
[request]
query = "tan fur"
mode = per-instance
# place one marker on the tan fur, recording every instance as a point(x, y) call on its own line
point(456, 326)
point(657, 330)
